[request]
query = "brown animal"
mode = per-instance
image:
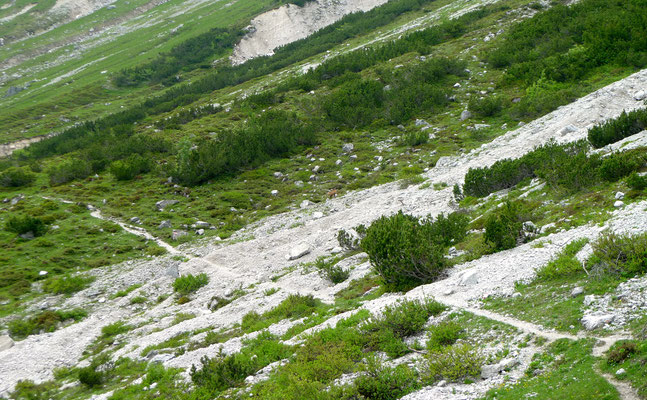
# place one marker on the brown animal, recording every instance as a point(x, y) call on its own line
point(332, 193)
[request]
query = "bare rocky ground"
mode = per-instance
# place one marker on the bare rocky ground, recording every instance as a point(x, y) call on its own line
point(258, 253)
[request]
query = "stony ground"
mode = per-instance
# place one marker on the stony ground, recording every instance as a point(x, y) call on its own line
point(260, 252)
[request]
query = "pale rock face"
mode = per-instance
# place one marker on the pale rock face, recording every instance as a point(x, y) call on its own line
point(5, 343)
point(594, 321)
point(298, 251)
point(289, 23)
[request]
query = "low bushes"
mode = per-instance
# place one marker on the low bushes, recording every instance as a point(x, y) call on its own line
point(16, 177)
point(504, 227)
point(67, 284)
point(294, 306)
point(24, 224)
point(406, 251)
point(46, 321)
point(637, 182)
point(187, 284)
point(624, 255)
point(625, 125)
point(331, 271)
point(130, 167)
point(454, 363)
point(485, 107)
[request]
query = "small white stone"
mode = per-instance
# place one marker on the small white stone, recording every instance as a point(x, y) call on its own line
point(619, 196)
point(274, 192)
point(42, 273)
point(317, 215)
point(618, 204)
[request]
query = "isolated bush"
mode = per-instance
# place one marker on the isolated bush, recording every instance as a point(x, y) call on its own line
point(620, 352)
point(564, 264)
point(415, 138)
point(16, 177)
point(485, 107)
point(90, 377)
point(444, 334)
point(503, 228)
point(402, 252)
point(188, 284)
point(45, 321)
point(25, 224)
point(624, 255)
point(637, 182)
point(331, 271)
point(454, 363)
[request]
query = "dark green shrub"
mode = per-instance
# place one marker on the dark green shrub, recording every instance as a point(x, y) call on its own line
point(619, 165)
point(486, 107)
point(90, 377)
point(402, 252)
point(129, 168)
point(188, 284)
point(16, 177)
point(68, 171)
point(503, 228)
point(25, 224)
point(331, 271)
point(625, 125)
point(415, 138)
point(637, 182)
point(565, 264)
point(45, 321)
point(444, 334)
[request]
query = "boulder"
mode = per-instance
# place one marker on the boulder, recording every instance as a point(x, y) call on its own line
point(5, 342)
point(618, 204)
point(492, 370)
point(199, 232)
point(469, 278)
point(317, 215)
point(178, 234)
point(164, 224)
point(594, 321)
point(347, 147)
point(173, 271)
point(135, 220)
point(619, 196)
point(465, 115)
point(274, 192)
point(304, 204)
point(298, 251)
point(202, 224)
point(162, 204)
point(577, 291)
point(641, 95)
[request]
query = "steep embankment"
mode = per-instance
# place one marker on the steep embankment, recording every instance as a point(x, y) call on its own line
point(289, 23)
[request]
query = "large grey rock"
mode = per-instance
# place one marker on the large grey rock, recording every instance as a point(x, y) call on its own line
point(173, 271)
point(298, 251)
point(466, 114)
point(619, 196)
point(162, 204)
point(594, 321)
point(618, 204)
point(469, 278)
point(492, 370)
point(164, 224)
point(347, 147)
point(641, 95)
point(5, 342)
point(202, 224)
point(577, 291)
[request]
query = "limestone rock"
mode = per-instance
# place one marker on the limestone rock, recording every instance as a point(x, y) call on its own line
point(577, 291)
point(466, 114)
point(162, 204)
point(594, 321)
point(5, 342)
point(164, 224)
point(469, 278)
point(298, 251)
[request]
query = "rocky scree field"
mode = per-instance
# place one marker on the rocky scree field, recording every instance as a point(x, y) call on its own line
point(422, 200)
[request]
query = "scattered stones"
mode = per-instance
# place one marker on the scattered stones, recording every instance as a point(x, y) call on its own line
point(162, 204)
point(594, 321)
point(338, 162)
point(278, 175)
point(577, 291)
point(298, 251)
point(316, 169)
point(621, 371)
point(274, 192)
point(199, 232)
point(305, 203)
point(5, 342)
point(135, 220)
point(618, 204)
point(619, 196)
